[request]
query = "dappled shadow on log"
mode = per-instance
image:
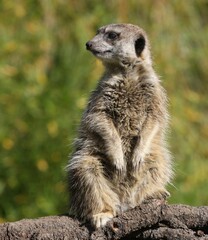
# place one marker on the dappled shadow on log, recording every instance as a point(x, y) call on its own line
point(151, 220)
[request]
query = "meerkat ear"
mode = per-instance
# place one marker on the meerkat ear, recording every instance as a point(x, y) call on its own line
point(139, 45)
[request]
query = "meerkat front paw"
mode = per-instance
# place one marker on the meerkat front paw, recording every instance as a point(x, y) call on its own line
point(100, 219)
point(119, 165)
point(115, 153)
point(137, 160)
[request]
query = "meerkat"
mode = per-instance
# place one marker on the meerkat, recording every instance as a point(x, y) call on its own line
point(120, 157)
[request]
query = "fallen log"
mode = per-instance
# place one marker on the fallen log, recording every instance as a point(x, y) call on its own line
point(151, 220)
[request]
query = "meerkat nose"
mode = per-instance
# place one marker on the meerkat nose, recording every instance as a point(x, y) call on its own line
point(88, 45)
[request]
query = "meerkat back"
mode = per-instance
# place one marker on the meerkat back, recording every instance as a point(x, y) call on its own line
point(120, 156)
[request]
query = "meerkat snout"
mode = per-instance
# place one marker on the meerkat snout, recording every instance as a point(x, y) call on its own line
point(88, 45)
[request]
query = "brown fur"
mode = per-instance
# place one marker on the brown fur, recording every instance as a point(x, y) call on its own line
point(120, 156)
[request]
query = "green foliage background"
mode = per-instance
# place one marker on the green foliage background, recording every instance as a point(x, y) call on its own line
point(46, 77)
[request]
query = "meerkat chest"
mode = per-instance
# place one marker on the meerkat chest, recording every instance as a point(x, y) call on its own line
point(127, 104)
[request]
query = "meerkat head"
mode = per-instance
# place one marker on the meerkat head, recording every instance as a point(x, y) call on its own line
point(120, 44)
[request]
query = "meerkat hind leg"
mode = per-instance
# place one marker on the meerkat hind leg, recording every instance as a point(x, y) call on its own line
point(100, 219)
point(93, 197)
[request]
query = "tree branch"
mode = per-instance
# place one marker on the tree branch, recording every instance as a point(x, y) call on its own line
point(151, 220)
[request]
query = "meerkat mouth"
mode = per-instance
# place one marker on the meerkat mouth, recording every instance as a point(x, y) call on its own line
point(95, 52)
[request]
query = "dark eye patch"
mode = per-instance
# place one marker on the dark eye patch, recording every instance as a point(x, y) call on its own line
point(112, 35)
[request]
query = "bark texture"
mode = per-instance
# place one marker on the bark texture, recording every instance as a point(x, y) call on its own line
point(150, 220)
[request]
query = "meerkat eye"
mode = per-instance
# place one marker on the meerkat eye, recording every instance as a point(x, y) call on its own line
point(112, 35)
